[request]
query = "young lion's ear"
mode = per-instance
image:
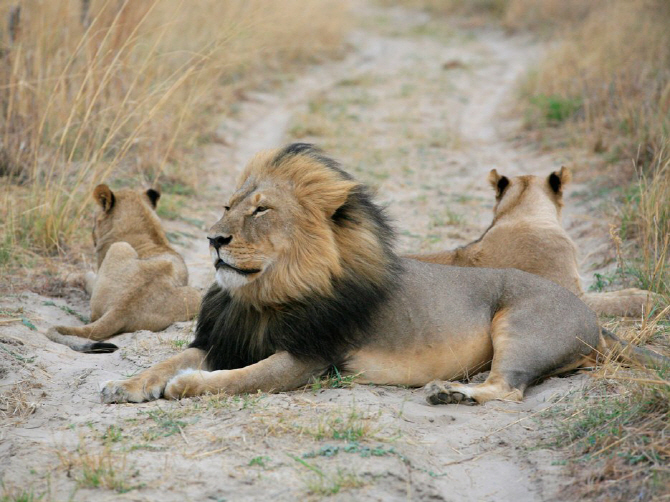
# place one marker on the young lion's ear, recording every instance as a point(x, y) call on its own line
point(498, 182)
point(558, 179)
point(153, 195)
point(105, 197)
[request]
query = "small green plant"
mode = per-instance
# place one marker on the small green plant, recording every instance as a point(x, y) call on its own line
point(68, 310)
point(95, 468)
point(334, 380)
point(325, 484)
point(601, 282)
point(555, 109)
point(113, 434)
point(167, 424)
point(351, 426)
point(179, 343)
point(353, 447)
point(260, 461)
point(19, 495)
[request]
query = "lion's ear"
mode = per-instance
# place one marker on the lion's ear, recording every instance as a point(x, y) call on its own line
point(336, 196)
point(558, 179)
point(105, 197)
point(153, 196)
point(498, 182)
point(326, 191)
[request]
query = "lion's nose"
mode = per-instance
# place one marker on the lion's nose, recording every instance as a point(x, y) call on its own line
point(219, 241)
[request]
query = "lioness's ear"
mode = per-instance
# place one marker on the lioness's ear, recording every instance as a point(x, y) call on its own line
point(153, 195)
point(498, 182)
point(558, 179)
point(105, 197)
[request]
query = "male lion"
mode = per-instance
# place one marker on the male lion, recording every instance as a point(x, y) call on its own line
point(306, 279)
point(526, 233)
point(141, 281)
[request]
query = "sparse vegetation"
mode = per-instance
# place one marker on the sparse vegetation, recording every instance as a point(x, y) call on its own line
point(14, 494)
point(334, 380)
point(616, 436)
point(18, 402)
point(645, 218)
point(69, 310)
point(166, 423)
point(92, 467)
point(326, 484)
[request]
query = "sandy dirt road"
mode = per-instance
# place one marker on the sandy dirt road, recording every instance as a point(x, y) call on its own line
point(419, 109)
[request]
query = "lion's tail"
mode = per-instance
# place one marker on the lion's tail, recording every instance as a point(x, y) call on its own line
point(87, 338)
point(632, 354)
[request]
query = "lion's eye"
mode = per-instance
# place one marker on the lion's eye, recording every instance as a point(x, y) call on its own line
point(260, 210)
point(227, 208)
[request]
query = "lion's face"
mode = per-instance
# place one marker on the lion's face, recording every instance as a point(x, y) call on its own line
point(278, 239)
point(126, 215)
point(253, 233)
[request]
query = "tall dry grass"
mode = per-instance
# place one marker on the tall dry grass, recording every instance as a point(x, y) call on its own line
point(645, 219)
point(98, 89)
point(610, 73)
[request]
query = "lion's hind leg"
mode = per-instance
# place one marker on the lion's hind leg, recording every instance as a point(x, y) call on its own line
point(495, 387)
point(526, 348)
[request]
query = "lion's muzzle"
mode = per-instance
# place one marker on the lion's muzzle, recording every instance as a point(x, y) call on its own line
point(219, 241)
point(220, 264)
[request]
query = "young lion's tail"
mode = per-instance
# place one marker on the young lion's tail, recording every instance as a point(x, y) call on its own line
point(632, 354)
point(86, 338)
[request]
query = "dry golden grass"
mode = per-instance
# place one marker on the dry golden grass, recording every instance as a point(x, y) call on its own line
point(17, 403)
point(545, 16)
point(99, 90)
point(645, 218)
point(608, 80)
point(94, 467)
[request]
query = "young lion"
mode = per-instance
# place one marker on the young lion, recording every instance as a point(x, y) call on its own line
point(141, 281)
point(306, 279)
point(526, 234)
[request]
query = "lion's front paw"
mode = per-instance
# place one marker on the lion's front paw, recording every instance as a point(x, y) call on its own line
point(129, 391)
point(446, 393)
point(187, 383)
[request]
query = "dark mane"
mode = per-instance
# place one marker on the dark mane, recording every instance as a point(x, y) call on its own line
point(325, 327)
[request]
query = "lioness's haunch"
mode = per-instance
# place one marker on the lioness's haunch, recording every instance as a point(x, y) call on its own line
point(526, 233)
point(141, 281)
point(306, 279)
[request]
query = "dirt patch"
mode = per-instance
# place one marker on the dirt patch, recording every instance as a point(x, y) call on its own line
point(416, 110)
